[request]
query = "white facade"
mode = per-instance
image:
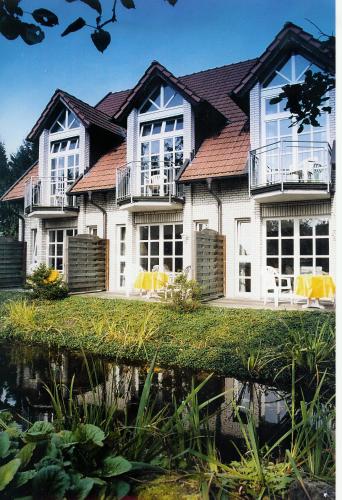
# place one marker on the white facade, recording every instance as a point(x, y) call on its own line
point(250, 245)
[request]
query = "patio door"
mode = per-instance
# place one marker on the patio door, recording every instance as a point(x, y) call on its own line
point(121, 253)
point(244, 260)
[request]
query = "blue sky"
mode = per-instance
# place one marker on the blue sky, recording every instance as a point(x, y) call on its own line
point(194, 35)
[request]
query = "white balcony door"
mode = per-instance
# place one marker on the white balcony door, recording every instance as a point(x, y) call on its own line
point(161, 156)
point(64, 168)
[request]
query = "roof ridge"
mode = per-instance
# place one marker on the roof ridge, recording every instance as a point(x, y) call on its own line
point(219, 67)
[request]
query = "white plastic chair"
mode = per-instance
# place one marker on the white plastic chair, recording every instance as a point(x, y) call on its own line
point(156, 181)
point(273, 283)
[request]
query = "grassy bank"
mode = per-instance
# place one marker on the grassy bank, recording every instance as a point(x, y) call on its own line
point(222, 340)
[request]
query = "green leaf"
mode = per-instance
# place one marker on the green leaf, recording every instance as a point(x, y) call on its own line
point(4, 443)
point(10, 28)
point(39, 431)
point(94, 4)
point(81, 486)
point(115, 466)
point(89, 433)
point(25, 454)
point(129, 4)
point(51, 479)
point(75, 26)
point(101, 39)
point(122, 489)
point(7, 472)
point(65, 439)
point(45, 17)
point(31, 33)
point(24, 477)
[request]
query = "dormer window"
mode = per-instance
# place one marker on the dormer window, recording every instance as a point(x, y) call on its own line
point(292, 72)
point(164, 97)
point(66, 121)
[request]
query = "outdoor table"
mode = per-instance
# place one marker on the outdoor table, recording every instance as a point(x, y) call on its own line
point(315, 287)
point(151, 281)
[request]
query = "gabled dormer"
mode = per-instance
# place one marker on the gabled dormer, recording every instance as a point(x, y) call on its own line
point(286, 165)
point(161, 115)
point(67, 131)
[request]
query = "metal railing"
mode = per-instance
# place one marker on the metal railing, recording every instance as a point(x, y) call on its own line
point(156, 179)
point(290, 162)
point(48, 192)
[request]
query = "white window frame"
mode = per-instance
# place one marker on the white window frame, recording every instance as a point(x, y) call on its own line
point(55, 256)
point(34, 246)
point(201, 224)
point(168, 111)
point(248, 259)
point(65, 129)
point(93, 230)
point(296, 243)
point(121, 257)
point(161, 240)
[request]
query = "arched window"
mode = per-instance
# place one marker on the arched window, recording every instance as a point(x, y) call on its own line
point(292, 72)
point(163, 97)
point(66, 120)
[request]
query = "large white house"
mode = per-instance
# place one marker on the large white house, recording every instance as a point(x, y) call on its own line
point(148, 167)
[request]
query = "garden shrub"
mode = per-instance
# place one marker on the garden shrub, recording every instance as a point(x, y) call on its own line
point(47, 283)
point(184, 295)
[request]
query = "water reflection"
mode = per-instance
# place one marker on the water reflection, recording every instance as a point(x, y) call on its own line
point(24, 370)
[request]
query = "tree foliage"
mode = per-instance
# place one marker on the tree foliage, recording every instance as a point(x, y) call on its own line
point(14, 24)
point(10, 170)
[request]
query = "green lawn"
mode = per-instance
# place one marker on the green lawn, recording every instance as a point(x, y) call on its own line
point(211, 339)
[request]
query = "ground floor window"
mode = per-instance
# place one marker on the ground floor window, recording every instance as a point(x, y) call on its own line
point(298, 246)
point(56, 247)
point(161, 245)
point(245, 244)
point(92, 230)
point(201, 224)
point(34, 243)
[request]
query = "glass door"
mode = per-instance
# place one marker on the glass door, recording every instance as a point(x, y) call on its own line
point(121, 252)
point(244, 248)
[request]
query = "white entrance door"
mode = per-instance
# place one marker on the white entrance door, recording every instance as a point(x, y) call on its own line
point(121, 253)
point(244, 260)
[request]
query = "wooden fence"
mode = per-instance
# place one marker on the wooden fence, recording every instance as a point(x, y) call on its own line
point(12, 263)
point(210, 263)
point(86, 259)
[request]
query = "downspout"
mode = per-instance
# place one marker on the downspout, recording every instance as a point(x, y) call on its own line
point(22, 225)
point(103, 212)
point(209, 181)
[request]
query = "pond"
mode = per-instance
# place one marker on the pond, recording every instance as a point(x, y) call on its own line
point(24, 371)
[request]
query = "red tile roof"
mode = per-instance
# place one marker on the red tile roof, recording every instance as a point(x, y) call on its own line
point(289, 37)
point(222, 155)
point(17, 190)
point(86, 113)
point(102, 175)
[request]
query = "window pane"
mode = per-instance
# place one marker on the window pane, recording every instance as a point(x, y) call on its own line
point(272, 129)
point(272, 247)
point(287, 246)
point(167, 265)
point(168, 145)
point(322, 266)
point(59, 264)
point(322, 246)
point(145, 148)
point(179, 248)
point(287, 227)
point(52, 236)
point(144, 264)
point(146, 129)
point(154, 262)
point(59, 235)
point(60, 249)
point(144, 232)
point(168, 232)
point(244, 285)
point(168, 248)
point(322, 227)
point(306, 247)
point(178, 265)
point(179, 125)
point(157, 128)
point(272, 262)
point(169, 125)
point(178, 143)
point(287, 266)
point(305, 227)
point(144, 248)
point(178, 231)
point(272, 227)
point(154, 232)
point(306, 266)
point(245, 269)
point(155, 248)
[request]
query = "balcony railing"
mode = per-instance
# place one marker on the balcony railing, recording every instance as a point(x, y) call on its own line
point(288, 163)
point(48, 192)
point(147, 180)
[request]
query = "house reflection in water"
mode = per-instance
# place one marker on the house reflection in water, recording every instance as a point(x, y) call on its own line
point(24, 371)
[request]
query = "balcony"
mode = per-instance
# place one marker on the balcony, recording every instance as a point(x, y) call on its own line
point(148, 186)
point(45, 198)
point(290, 171)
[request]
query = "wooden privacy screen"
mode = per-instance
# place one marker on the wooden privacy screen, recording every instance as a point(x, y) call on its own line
point(12, 263)
point(86, 263)
point(210, 263)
